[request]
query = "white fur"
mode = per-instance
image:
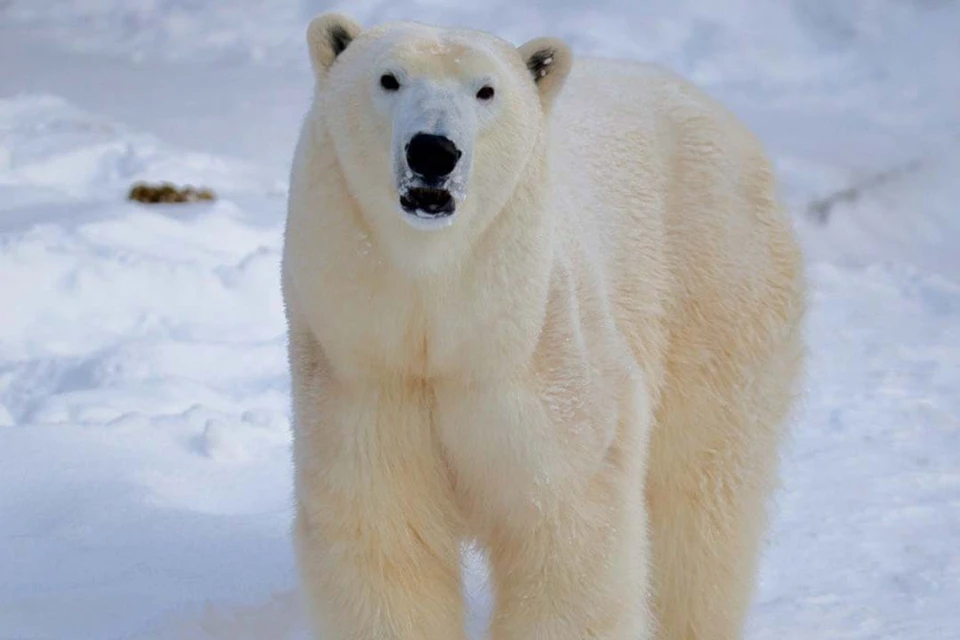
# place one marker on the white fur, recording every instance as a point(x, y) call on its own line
point(587, 371)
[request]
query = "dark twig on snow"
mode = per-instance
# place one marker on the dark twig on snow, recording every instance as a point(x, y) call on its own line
point(819, 209)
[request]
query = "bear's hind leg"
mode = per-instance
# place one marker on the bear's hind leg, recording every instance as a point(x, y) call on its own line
point(705, 547)
point(711, 474)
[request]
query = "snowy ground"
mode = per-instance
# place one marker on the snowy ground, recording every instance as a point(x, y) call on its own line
point(144, 434)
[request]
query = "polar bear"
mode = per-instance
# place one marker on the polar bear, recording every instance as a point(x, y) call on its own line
point(559, 317)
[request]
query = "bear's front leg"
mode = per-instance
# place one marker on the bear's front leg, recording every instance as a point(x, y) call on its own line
point(578, 569)
point(377, 534)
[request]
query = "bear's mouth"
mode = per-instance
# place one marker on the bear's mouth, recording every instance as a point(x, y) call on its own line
point(428, 203)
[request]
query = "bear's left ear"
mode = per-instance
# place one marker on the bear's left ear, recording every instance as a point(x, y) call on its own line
point(549, 61)
point(328, 36)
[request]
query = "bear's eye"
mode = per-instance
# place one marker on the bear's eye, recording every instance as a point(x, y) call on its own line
point(389, 82)
point(485, 93)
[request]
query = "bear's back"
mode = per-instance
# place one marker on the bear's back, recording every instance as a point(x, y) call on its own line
point(674, 200)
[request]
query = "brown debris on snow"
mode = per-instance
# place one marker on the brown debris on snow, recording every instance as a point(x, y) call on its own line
point(166, 192)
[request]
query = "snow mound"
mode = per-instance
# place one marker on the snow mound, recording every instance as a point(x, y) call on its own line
point(49, 145)
point(143, 383)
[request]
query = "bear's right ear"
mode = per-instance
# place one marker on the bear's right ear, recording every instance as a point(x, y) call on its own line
point(328, 35)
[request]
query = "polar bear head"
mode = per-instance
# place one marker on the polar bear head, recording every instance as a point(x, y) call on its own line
point(431, 126)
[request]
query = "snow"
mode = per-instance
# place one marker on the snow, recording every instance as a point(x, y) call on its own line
point(144, 420)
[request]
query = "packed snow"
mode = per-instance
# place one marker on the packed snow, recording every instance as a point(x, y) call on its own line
point(145, 479)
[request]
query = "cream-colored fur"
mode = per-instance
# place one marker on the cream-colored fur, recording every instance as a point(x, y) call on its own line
point(587, 372)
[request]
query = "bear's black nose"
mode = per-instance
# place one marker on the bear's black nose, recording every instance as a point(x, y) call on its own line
point(432, 157)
